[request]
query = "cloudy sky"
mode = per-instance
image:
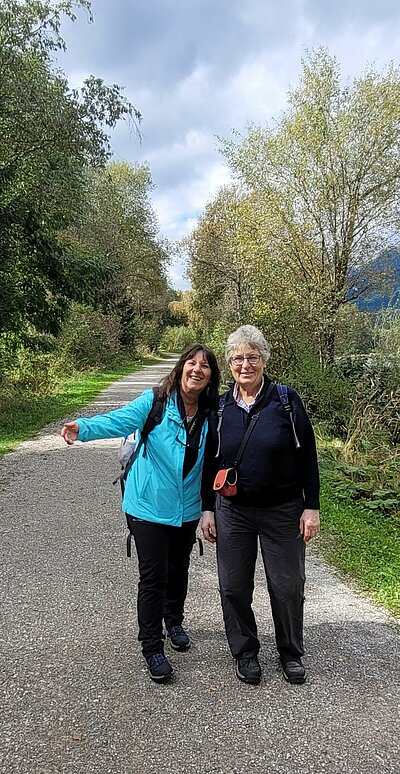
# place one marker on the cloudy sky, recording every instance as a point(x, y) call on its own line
point(200, 68)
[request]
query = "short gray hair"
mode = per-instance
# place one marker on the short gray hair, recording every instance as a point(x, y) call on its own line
point(247, 336)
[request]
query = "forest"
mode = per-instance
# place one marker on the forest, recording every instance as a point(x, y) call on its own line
point(304, 244)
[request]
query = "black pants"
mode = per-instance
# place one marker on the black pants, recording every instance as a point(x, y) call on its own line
point(283, 553)
point(164, 556)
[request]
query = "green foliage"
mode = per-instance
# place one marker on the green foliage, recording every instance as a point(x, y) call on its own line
point(37, 25)
point(355, 332)
point(8, 354)
point(180, 308)
point(361, 536)
point(48, 136)
point(220, 261)
point(150, 330)
point(176, 338)
point(326, 394)
point(23, 414)
point(115, 236)
point(374, 418)
point(89, 339)
point(33, 373)
point(25, 360)
point(325, 190)
point(217, 341)
point(31, 275)
point(373, 480)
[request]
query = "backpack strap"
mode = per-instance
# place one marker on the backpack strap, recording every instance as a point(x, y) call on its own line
point(129, 521)
point(153, 418)
point(284, 398)
point(220, 411)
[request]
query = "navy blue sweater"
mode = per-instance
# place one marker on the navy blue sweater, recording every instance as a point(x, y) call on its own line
point(272, 471)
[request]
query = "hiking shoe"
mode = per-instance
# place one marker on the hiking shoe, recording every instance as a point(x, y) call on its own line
point(159, 667)
point(294, 672)
point(178, 637)
point(248, 670)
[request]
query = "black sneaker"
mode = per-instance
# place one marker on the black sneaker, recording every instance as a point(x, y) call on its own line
point(248, 670)
point(178, 638)
point(293, 671)
point(159, 667)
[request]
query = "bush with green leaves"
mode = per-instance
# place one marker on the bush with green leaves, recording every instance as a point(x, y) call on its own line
point(89, 339)
point(218, 337)
point(176, 337)
point(33, 373)
point(8, 354)
point(374, 419)
point(149, 332)
point(371, 478)
point(325, 392)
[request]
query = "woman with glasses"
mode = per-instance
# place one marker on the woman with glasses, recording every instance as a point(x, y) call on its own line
point(162, 493)
point(268, 487)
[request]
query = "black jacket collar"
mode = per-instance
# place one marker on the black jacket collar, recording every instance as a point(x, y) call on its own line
point(230, 399)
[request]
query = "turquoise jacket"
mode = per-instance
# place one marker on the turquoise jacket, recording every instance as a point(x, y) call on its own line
point(155, 490)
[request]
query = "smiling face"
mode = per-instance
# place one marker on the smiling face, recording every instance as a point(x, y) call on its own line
point(196, 375)
point(248, 375)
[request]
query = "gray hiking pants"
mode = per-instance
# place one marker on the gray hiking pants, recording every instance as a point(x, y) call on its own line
point(283, 551)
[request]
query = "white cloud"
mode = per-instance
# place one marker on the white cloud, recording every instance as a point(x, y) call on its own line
point(179, 207)
point(202, 68)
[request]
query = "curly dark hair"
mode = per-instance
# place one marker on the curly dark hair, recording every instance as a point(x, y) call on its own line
point(172, 382)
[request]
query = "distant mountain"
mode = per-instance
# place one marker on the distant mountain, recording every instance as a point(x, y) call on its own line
point(389, 263)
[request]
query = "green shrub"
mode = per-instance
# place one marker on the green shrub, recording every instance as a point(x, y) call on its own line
point(33, 373)
point(176, 338)
point(325, 392)
point(8, 355)
point(374, 417)
point(357, 540)
point(89, 339)
point(217, 339)
point(372, 479)
point(149, 332)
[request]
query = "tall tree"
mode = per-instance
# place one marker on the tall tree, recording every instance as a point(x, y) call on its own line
point(49, 134)
point(117, 230)
point(327, 177)
point(219, 254)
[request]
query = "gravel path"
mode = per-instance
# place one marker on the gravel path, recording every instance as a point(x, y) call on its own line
point(76, 698)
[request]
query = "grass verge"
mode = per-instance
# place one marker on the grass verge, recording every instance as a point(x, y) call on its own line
point(22, 415)
point(364, 546)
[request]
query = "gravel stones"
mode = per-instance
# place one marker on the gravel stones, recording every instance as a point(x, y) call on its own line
point(76, 696)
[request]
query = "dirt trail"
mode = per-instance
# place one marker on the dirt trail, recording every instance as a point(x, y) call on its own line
point(76, 697)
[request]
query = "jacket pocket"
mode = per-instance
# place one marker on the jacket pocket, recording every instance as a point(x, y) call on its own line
point(145, 486)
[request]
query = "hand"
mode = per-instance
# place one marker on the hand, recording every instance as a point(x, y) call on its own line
point(70, 432)
point(309, 524)
point(207, 526)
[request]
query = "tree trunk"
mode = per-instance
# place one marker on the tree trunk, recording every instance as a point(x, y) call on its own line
point(327, 346)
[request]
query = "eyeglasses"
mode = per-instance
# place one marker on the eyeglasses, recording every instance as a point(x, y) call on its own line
point(238, 360)
point(189, 432)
